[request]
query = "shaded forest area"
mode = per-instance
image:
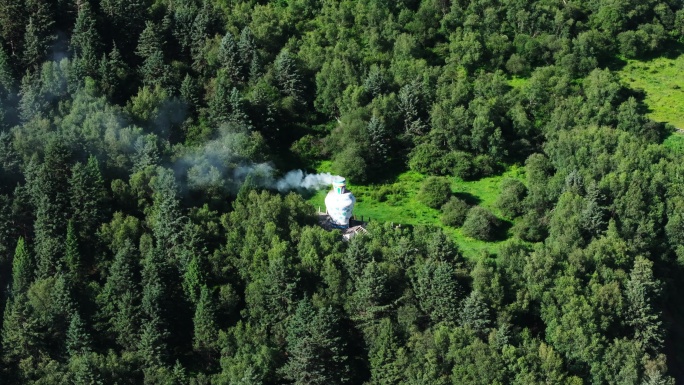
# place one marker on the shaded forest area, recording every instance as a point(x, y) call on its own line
point(142, 241)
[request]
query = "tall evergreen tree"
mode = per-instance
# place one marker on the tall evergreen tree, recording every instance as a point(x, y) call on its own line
point(88, 197)
point(316, 350)
point(50, 196)
point(229, 57)
point(22, 268)
point(78, 339)
point(12, 23)
point(119, 301)
point(287, 75)
point(475, 313)
point(85, 42)
point(72, 256)
point(165, 216)
point(642, 291)
point(438, 291)
point(7, 81)
point(248, 51)
point(206, 332)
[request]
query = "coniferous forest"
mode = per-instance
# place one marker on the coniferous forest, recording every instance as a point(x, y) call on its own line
point(143, 239)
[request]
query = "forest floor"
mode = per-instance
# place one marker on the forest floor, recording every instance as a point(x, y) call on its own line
point(396, 202)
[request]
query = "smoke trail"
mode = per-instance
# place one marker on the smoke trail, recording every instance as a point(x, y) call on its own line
point(299, 179)
point(225, 163)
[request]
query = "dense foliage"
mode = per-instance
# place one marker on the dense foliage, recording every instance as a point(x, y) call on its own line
point(142, 241)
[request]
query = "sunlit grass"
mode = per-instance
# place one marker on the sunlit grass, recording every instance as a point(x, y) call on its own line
point(662, 80)
point(396, 202)
point(675, 142)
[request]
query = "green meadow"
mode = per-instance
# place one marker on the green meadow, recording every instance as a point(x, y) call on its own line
point(396, 202)
point(662, 81)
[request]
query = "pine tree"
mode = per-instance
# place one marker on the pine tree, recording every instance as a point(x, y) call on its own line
point(438, 291)
point(119, 299)
point(85, 33)
point(378, 140)
point(248, 52)
point(21, 336)
point(151, 346)
point(375, 81)
point(200, 32)
point(229, 57)
point(287, 75)
point(372, 294)
point(206, 332)
point(193, 279)
point(22, 269)
point(12, 23)
point(34, 50)
point(184, 15)
point(113, 73)
point(30, 102)
point(50, 197)
point(78, 339)
point(150, 42)
point(88, 197)
point(164, 218)
point(316, 350)
point(382, 356)
point(7, 82)
point(72, 257)
point(642, 291)
point(38, 35)
point(474, 313)
point(84, 371)
point(189, 92)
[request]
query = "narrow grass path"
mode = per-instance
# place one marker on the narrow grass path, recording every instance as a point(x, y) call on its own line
point(396, 202)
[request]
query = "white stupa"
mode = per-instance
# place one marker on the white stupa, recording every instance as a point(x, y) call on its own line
point(339, 204)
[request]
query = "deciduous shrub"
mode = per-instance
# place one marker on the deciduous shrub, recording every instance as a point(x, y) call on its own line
point(434, 192)
point(480, 224)
point(454, 212)
point(510, 200)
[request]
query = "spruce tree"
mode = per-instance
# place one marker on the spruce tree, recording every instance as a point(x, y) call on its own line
point(88, 196)
point(316, 350)
point(642, 291)
point(78, 339)
point(72, 256)
point(287, 75)
point(229, 57)
point(206, 332)
point(474, 313)
point(22, 268)
point(247, 50)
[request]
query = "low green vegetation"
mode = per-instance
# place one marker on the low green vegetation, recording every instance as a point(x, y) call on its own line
point(675, 142)
point(662, 81)
point(397, 202)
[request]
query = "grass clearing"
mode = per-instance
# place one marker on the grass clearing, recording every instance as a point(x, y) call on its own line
point(396, 202)
point(675, 142)
point(662, 81)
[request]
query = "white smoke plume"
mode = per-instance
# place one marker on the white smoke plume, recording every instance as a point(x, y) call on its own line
point(223, 164)
point(298, 179)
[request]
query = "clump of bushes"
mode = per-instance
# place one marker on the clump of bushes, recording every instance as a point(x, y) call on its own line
point(454, 212)
point(434, 192)
point(510, 201)
point(480, 224)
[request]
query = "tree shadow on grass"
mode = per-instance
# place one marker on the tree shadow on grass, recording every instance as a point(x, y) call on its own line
point(468, 198)
point(501, 232)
